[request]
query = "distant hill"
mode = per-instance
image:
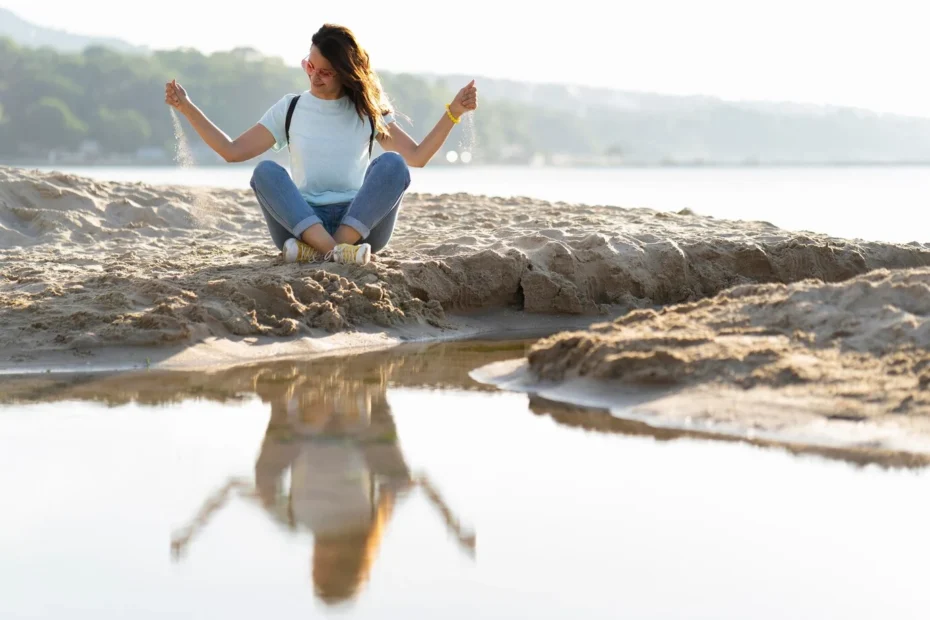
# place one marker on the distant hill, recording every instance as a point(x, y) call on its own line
point(650, 127)
point(581, 98)
point(28, 34)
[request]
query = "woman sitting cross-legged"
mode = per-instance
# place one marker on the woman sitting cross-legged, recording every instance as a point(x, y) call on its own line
point(340, 205)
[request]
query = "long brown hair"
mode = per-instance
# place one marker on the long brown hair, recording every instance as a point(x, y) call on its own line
point(342, 563)
point(351, 63)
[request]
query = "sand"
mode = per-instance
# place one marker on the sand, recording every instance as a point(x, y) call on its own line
point(87, 266)
point(730, 328)
point(834, 364)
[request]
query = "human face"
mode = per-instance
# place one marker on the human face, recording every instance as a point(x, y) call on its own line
point(324, 82)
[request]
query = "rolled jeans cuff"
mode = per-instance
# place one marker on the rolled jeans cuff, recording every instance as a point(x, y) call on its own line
point(362, 230)
point(304, 224)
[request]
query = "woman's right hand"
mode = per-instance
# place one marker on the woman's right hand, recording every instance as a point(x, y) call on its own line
point(176, 96)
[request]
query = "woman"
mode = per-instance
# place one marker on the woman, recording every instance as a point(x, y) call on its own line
point(338, 206)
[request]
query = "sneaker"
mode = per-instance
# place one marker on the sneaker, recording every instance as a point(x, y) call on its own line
point(299, 252)
point(345, 253)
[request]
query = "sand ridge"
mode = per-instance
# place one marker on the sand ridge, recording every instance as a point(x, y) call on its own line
point(87, 264)
point(843, 364)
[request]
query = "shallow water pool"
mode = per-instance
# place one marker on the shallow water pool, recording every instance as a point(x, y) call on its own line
point(390, 485)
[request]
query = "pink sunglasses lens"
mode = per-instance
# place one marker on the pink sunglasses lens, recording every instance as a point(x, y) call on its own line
point(310, 69)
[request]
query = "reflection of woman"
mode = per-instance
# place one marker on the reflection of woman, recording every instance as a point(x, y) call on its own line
point(335, 439)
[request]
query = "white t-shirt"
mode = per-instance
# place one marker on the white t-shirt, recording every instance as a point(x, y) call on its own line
point(329, 146)
point(332, 488)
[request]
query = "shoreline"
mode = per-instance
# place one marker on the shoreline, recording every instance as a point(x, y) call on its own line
point(219, 354)
point(686, 414)
point(740, 321)
point(842, 365)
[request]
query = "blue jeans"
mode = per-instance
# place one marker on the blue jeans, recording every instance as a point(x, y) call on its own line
point(373, 211)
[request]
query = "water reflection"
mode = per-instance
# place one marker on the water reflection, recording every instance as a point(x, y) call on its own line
point(330, 464)
point(340, 395)
point(602, 422)
point(435, 366)
point(567, 509)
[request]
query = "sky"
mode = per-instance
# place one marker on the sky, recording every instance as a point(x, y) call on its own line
point(860, 53)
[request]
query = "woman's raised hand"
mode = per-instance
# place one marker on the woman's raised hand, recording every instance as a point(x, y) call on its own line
point(466, 100)
point(176, 96)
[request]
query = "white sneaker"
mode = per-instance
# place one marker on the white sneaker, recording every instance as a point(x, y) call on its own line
point(295, 251)
point(345, 253)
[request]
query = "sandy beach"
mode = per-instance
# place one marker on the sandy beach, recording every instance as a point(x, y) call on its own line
point(101, 272)
point(731, 327)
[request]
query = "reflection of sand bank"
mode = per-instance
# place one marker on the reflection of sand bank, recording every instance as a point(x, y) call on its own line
point(88, 264)
point(842, 366)
point(440, 365)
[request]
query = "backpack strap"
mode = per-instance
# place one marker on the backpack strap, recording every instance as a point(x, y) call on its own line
point(371, 140)
point(287, 119)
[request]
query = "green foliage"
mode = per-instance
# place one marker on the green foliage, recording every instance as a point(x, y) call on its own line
point(51, 100)
point(121, 131)
point(55, 100)
point(49, 123)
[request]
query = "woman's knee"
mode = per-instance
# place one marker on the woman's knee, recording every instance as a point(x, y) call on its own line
point(394, 164)
point(265, 170)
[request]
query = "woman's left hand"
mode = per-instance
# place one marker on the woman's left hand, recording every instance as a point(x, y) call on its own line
point(465, 101)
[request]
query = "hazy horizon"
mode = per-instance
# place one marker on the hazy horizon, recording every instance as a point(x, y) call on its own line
point(818, 52)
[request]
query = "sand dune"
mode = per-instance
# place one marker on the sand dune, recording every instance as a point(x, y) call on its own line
point(87, 264)
point(838, 364)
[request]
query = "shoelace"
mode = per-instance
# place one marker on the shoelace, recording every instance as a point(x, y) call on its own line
point(305, 253)
point(347, 251)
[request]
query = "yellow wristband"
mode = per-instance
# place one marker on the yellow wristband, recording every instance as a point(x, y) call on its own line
point(449, 114)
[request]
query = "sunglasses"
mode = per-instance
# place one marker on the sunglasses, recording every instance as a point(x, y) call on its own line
point(310, 69)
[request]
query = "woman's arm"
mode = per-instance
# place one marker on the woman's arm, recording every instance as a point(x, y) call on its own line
point(181, 538)
point(252, 143)
point(418, 155)
point(465, 537)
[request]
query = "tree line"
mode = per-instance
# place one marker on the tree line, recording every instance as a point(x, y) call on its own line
point(51, 100)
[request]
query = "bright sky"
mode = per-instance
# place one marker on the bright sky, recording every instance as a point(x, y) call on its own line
point(865, 53)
